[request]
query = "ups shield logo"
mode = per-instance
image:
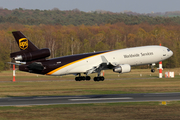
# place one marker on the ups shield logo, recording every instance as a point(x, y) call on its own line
point(23, 43)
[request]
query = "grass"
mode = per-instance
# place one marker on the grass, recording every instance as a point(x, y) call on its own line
point(50, 88)
point(104, 111)
point(30, 85)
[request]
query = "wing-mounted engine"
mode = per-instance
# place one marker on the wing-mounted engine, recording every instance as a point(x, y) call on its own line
point(125, 68)
point(30, 56)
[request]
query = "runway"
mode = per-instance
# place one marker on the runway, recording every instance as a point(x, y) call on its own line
point(51, 100)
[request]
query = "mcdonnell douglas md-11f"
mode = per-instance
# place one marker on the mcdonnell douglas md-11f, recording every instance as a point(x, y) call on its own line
point(34, 60)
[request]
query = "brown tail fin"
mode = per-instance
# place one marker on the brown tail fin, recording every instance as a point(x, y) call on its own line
point(23, 42)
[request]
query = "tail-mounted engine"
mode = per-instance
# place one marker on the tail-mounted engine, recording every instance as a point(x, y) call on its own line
point(122, 68)
point(30, 56)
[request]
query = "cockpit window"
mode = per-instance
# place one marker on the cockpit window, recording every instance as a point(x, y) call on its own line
point(168, 50)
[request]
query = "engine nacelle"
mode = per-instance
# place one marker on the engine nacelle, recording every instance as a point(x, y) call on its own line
point(125, 68)
point(29, 56)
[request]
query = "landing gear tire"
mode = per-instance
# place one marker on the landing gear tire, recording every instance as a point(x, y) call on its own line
point(82, 78)
point(98, 78)
point(88, 78)
point(152, 70)
point(78, 79)
point(102, 78)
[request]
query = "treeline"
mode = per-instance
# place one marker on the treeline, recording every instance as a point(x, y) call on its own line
point(152, 14)
point(67, 40)
point(76, 17)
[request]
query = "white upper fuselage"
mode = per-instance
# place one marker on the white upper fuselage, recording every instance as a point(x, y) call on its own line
point(132, 56)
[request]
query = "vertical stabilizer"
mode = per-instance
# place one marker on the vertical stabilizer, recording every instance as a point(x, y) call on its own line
point(23, 42)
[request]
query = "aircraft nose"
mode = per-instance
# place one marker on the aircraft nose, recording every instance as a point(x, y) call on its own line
point(171, 53)
point(168, 53)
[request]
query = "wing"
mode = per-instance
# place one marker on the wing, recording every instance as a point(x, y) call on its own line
point(102, 66)
point(119, 68)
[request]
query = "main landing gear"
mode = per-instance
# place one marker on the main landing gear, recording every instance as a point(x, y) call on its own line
point(87, 78)
point(80, 78)
point(100, 78)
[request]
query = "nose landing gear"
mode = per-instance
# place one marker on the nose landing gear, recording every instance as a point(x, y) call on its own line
point(152, 67)
point(152, 70)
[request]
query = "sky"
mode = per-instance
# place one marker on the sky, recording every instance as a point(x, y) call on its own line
point(139, 6)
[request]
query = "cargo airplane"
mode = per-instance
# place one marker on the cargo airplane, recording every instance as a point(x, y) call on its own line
point(33, 60)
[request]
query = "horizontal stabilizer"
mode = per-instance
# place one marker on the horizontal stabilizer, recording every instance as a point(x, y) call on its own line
point(14, 63)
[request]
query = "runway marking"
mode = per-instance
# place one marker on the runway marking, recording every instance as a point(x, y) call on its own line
point(125, 98)
point(56, 98)
point(41, 98)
